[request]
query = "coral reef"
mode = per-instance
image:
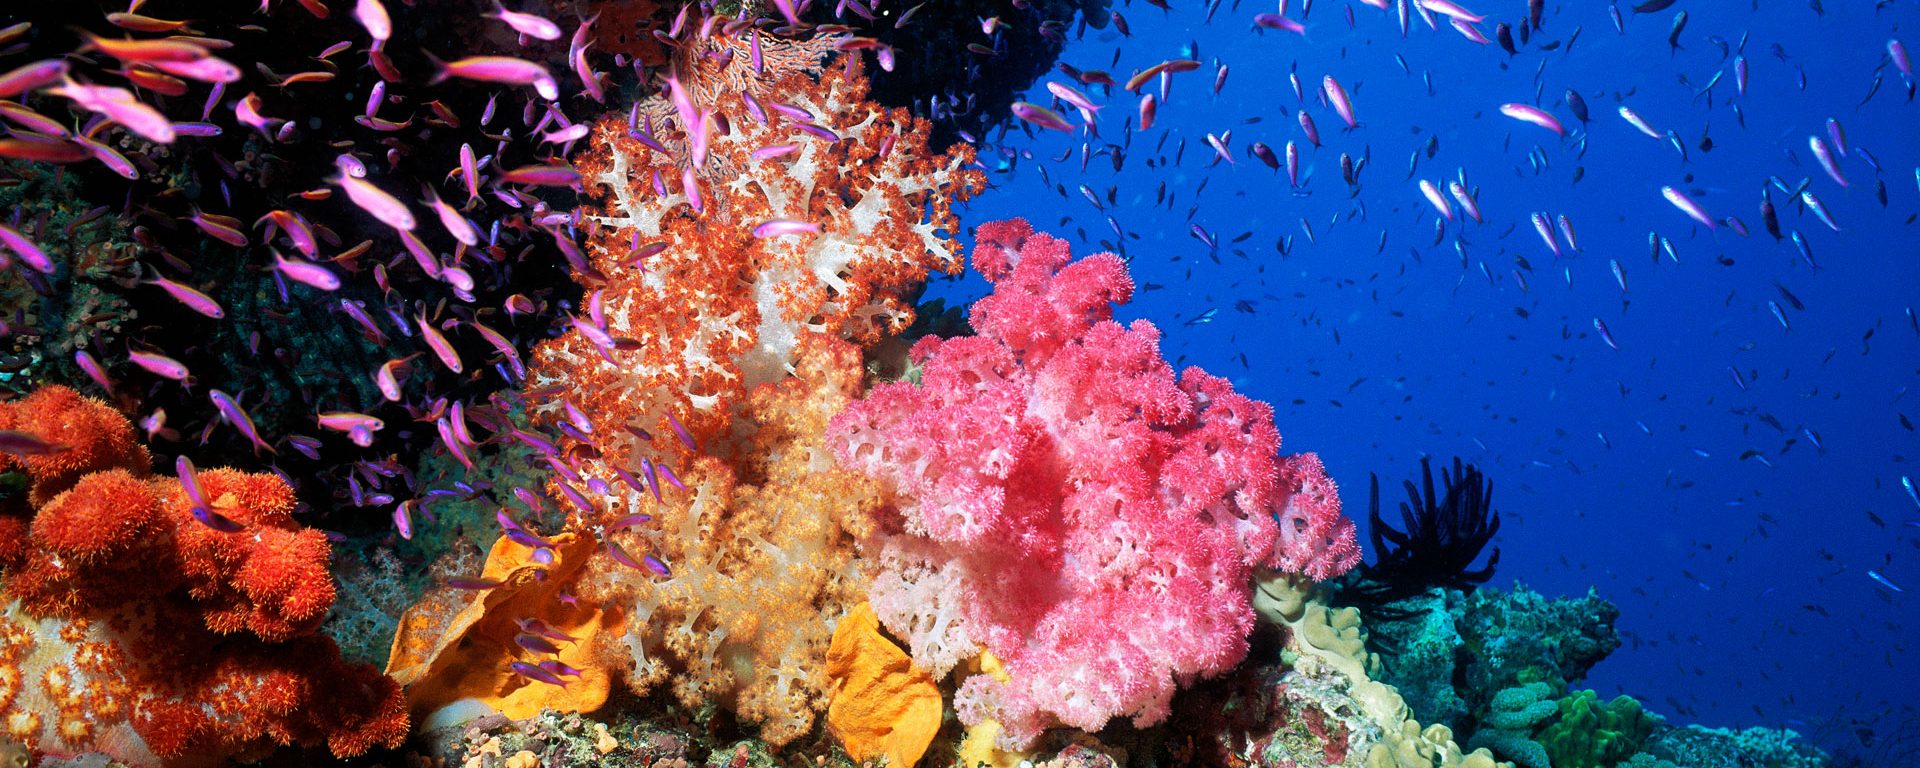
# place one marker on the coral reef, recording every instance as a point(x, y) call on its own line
point(1510, 721)
point(1318, 704)
point(1055, 479)
point(1497, 667)
point(715, 310)
point(1464, 648)
point(137, 629)
point(1699, 747)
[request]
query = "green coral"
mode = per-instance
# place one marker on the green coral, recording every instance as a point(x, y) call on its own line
point(1590, 734)
point(1522, 707)
point(1508, 726)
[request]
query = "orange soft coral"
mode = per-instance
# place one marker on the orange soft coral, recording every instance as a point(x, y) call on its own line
point(718, 311)
point(128, 627)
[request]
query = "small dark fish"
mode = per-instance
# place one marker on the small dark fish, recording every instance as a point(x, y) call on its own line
point(1673, 35)
point(1792, 300)
point(1504, 34)
point(1653, 6)
point(1768, 216)
point(1870, 91)
point(1577, 104)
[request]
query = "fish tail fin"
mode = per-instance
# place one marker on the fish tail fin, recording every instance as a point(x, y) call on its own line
point(439, 67)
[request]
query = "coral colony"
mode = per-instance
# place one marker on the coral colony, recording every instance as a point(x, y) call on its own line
point(457, 383)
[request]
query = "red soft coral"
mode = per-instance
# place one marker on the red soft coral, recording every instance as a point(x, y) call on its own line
point(1072, 506)
point(138, 631)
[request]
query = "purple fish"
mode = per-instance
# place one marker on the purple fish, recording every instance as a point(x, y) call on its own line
point(781, 227)
point(23, 444)
point(194, 299)
point(31, 77)
point(535, 643)
point(25, 249)
point(236, 417)
point(1605, 334)
point(306, 273)
point(356, 310)
point(536, 674)
point(216, 521)
point(1827, 162)
point(403, 519)
point(1277, 21)
point(439, 344)
point(1819, 210)
point(539, 27)
point(159, 365)
point(1534, 115)
point(1041, 116)
point(93, 369)
point(1072, 95)
point(376, 202)
point(120, 106)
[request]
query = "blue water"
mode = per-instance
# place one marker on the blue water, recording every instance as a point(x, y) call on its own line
point(1743, 581)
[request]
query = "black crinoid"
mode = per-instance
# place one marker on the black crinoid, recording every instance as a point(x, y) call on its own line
point(1440, 538)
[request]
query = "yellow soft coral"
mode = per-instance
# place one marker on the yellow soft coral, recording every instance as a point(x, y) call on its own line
point(468, 655)
point(882, 704)
point(760, 547)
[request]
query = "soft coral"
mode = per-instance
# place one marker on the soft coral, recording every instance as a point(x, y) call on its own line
point(1072, 506)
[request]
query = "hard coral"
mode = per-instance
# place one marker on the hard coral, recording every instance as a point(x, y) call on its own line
point(1072, 506)
point(133, 629)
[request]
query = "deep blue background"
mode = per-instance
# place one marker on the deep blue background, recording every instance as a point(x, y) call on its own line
point(1743, 584)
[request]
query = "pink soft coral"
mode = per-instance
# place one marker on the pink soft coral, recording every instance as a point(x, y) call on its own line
point(1069, 504)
